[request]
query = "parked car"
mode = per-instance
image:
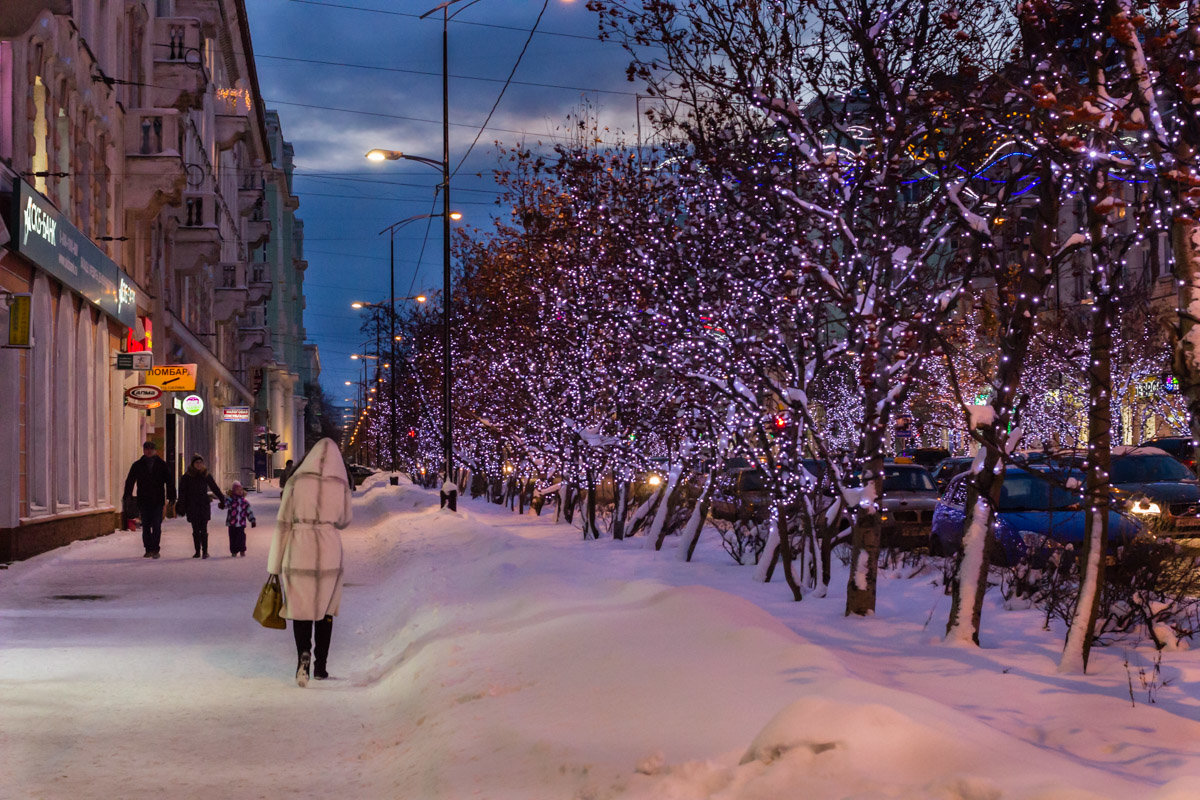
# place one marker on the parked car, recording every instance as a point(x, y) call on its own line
point(947, 468)
point(1033, 507)
point(1178, 447)
point(741, 495)
point(359, 473)
point(1157, 488)
point(909, 497)
point(928, 457)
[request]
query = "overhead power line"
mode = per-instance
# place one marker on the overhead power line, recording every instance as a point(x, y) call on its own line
point(534, 84)
point(276, 101)
point(504, 88)
point(348, 7)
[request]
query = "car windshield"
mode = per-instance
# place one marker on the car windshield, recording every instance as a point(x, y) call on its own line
point(1025, 492)
point(906, 480)
point(751, 481)
point(1148, 469)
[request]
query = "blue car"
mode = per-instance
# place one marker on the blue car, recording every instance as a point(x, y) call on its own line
point(1032, 508)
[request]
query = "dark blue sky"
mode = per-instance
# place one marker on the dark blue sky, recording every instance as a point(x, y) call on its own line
point(396, 82)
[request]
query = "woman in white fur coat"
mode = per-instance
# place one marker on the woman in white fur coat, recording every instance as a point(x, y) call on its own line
point(306, 552)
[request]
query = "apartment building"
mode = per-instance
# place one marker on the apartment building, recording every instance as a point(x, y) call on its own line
point(134, 166)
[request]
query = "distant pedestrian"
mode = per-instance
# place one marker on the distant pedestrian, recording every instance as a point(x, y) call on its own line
point(288, 469)
point(237, 515)
point(306, 552)
point(152, 479)
point(195, 504)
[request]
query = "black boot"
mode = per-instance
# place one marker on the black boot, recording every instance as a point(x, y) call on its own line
point(322, 631)
point(302, 670)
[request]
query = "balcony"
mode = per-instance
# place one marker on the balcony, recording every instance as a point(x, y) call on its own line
point(299, 265)
point(197, 241)
point(179, 78)
point(254, 343)
point(260, 284)
point(205, 12)
point(154, 169)
point(231, 128)
point(252, 202)
point(257, 231)
point(231, 296)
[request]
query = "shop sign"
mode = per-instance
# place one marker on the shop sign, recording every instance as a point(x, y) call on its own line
point(138, 361)
point(192, 405)
point(143, 404)
point(144, 393)
point(44, 236)
point(19, 320)
point(235, 413)
point(1148, 387)
point(173, 377)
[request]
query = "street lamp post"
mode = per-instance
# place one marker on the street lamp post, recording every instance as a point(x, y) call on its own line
point(449, 491)
point(391, 306)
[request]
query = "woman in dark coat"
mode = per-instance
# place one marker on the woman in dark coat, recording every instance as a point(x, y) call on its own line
point(195, 504)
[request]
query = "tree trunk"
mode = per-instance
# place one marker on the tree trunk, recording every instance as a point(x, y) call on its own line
point(1078, 645)
point(657, 531)
point(620, 505)
point(864, 542)
point(786, 555)
point(695, 523)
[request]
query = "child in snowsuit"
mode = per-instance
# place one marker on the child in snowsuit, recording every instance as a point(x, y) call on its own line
point(239, 512)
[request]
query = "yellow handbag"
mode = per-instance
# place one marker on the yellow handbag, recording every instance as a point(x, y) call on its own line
point(270, 603)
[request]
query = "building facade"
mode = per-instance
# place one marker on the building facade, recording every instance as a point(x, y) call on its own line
point(134, 166)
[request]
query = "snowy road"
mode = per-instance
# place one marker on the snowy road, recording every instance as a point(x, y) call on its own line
point(485, 655)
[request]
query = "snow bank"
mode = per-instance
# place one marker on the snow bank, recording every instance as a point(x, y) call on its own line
point(482, 654)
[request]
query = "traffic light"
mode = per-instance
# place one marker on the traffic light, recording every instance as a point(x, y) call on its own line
point(272, 443)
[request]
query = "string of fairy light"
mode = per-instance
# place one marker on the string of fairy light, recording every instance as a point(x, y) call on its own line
point(773, 297)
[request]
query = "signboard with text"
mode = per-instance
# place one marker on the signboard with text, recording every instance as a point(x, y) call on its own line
point(173, 377)
point(43, 235)
point(235, 413)
point(193, 405)
point(19, 320)
point(135, 361)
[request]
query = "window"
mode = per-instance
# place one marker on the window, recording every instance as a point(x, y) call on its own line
point(84, 461)
point(37, 446)
point(41, 155)
point(100, 408)
point(64, 436)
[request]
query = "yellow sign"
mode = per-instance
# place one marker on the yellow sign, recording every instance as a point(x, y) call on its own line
point(19, 307)
point(172, 377)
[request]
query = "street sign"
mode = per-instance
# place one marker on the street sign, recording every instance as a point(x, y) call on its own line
point(144, 393)
point(139, 361)
point(235, 413)
point(281, 447)
point(192, 405)
point(20, 308)
point(173, 377)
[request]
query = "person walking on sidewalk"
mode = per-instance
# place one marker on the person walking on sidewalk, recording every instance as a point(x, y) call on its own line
point(236, 516)
point(195, 503)
point(306, 552)
point(152, 479)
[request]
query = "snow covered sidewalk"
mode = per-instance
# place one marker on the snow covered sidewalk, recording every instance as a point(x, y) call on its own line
point(486, 655)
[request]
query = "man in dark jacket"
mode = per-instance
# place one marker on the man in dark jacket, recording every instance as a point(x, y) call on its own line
point(154, 487)
point(195, 504)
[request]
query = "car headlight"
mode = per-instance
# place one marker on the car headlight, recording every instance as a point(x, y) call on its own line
point(1145, 507)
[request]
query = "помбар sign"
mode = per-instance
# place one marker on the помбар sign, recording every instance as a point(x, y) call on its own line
point(45, 237)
